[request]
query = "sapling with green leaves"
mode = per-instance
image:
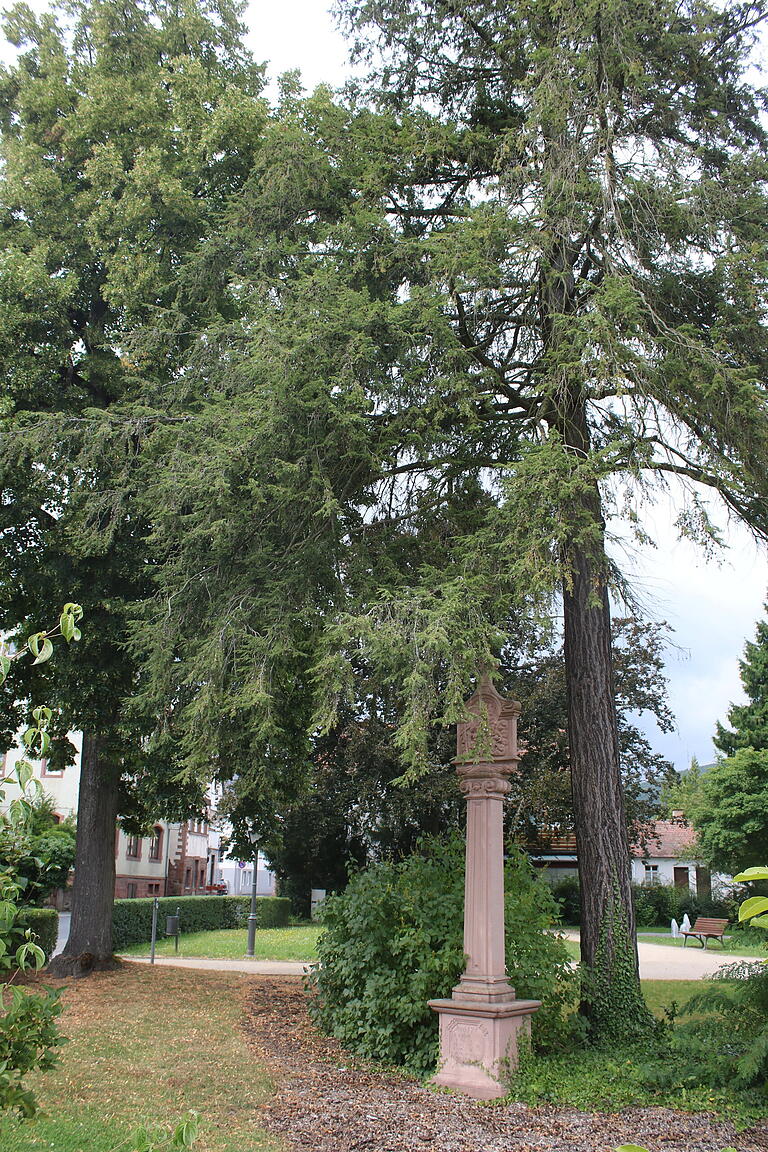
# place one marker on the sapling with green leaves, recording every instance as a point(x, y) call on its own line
point(754, 908)
point(28, 1032)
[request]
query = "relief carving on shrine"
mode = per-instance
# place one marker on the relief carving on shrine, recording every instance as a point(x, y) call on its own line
point(491, 733)
point(467, 1042)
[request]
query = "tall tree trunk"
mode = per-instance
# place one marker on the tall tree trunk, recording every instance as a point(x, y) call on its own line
point(611, 996)
point(89, 946)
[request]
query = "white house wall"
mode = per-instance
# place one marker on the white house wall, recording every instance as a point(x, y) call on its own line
point(62, 786)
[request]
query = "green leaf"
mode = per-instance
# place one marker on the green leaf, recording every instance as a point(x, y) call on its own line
point(30, 955)
point(25, 772)
point(630, 1148)
point(5, 666)
point(761, 921)
point(29, 736)
point(40, 647)
point(186, 1133)
point(7, 915)
point(753, 907)
point(749, 874)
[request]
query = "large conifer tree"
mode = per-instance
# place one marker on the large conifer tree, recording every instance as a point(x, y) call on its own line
point(124, 128)
point(497, 310)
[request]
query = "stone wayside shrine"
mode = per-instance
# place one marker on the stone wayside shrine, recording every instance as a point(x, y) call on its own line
point(480, 1023)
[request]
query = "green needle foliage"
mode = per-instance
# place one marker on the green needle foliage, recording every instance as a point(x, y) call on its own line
point(122, 131)
point(441, 338)
point(749, 722)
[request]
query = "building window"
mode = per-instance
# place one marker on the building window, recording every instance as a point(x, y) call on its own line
point(651, 874)
point(153, 889)
point(46, 771)
point(156, 844)
point(131, 891)
point(133, 850)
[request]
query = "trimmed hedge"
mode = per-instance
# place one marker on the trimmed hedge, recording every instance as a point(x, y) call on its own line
point(44, 923)
point(132, 919)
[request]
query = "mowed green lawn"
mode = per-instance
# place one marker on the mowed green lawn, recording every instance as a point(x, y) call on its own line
point(146, 1046)
point(301, 944)
point(229, 944)
point(732, 944)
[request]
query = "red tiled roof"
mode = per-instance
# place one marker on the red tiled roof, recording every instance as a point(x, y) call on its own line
point(666, 839)
point(670, 839)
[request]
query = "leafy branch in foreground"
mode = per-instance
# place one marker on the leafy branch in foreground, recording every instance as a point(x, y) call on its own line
point(28, 1033)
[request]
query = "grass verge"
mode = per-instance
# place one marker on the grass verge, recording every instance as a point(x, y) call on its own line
point(733, 945)
point(146, 1047)
point(611, 1080)
point(229, 944)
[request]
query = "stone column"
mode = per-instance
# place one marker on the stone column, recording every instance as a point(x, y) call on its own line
point(479, 1025)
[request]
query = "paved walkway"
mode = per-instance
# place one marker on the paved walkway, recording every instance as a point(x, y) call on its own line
point(657, 962)
point(63, 934)
point(667, 962)
point(255, 967)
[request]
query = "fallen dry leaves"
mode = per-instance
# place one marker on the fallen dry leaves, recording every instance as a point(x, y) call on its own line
point(328, 1102)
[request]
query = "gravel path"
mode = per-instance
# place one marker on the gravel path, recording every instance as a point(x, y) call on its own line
point(328, 1102)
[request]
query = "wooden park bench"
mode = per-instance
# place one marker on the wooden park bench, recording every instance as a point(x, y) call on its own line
point(706, 929)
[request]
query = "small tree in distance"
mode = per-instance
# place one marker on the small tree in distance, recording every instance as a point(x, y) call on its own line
point(749, 722)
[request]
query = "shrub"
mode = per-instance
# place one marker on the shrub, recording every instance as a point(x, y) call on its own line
point(393, 941)
point(272, 911)
point(566, 893)
point(132, 919)
point(654, 903)
point(722, 1037)
point(44, 924)
point(660, 903)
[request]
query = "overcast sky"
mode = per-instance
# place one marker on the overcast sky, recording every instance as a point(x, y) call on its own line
point(712, 604)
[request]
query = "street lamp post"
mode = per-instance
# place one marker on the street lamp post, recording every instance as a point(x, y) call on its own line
point(254, 839)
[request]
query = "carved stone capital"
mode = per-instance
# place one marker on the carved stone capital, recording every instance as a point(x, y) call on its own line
point(492, 787)
point(490, 733)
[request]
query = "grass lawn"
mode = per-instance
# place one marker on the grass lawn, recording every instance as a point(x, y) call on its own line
point(660, 994)
point(732, 944)
point(230, 944)
point(573, 949)
point(611, 1080)
point(146, 1047)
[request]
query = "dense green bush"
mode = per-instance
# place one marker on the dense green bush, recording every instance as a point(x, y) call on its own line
point(40, 852)
point(132, 919)
point(273, 911)
point(44, 923)
point(566, 893)
point(721, 1037)
point(654, 904)
point(660, 903)
point(393, 941)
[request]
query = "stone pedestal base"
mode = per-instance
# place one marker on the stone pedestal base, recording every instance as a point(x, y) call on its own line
point(474, 1041)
